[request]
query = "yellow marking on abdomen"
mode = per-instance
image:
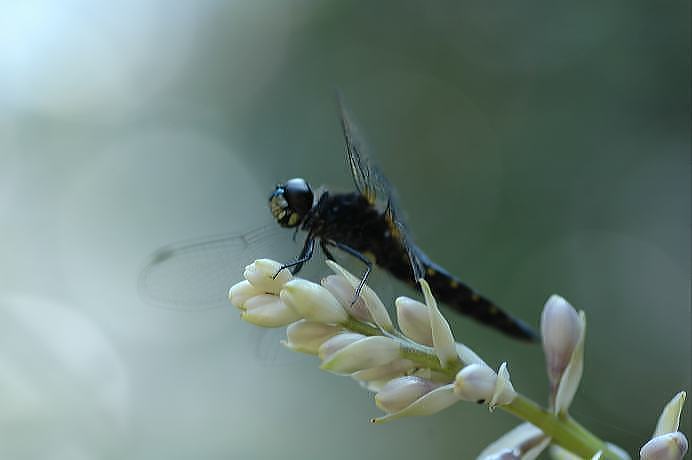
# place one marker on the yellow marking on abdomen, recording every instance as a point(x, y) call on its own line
point(454, 284)
point(430, 271)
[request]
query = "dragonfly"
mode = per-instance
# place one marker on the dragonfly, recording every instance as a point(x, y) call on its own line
point(366, 224)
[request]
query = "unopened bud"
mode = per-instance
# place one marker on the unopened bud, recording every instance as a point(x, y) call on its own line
point(669, 446)
point(268, 310)
point(307, 336)
point(396, 368)
point(414, 320)
point(313, 302)
point(443, 340)
point(240, 292)
point(343, 291)
point(377, 310)
point(363, 354)
point(476, 383)
point(264, 274)
point(669, 420)
point(429, 403)
point(336, 343)
point(479, 383)
point(401, 392)
point(560, 328)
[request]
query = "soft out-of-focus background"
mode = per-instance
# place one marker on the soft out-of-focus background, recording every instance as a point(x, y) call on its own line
point(538, 148)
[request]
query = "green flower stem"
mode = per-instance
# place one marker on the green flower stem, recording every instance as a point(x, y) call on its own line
point(563, 430)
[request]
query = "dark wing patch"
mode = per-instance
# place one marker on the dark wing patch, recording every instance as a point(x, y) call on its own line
point(374, 186)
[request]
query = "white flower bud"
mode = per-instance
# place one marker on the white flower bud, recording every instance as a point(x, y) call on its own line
point(363, 354)
point(401, 392)
point(312, 302)
point(343, 291)
point(268, 310)
point(261, 275)
point(475, 383)
point(434, 401)
point(560, 328)
point(443, 340)
point(669, 420)
point(669, 446)
point(479, 383)
point(336, 343)
point(396, 368)
point(571, 376)
point(307, 336)
point(376, 308)
point(414, 320)
point(240, 292)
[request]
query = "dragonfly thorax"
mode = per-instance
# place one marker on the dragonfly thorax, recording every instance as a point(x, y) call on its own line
point(290, 202)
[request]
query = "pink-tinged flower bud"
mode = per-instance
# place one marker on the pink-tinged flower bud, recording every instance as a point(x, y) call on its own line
point(312, 302)
point(476, 383)
point(363, 354)
point(240, 292)
point(560, 328)
point(261, 275)
point(336, 343)
point(343, 291)
point(414, 320)
point(307, 336)
point(401, 392)
point(378, 312)
point(267, 310)
point(669, 446)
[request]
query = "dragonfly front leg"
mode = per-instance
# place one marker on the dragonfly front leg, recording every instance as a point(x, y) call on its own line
point(305, 255)
point(360, 256)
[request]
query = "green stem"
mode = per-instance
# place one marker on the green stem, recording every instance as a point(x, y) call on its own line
point(563, 430)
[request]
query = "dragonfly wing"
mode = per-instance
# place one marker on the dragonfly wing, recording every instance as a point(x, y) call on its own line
point(196, 274)
point(371, 182)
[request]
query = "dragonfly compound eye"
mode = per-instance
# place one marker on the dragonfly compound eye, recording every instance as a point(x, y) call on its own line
point(290, 202)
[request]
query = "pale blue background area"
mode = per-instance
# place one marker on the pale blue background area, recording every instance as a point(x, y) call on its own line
point(537, 147)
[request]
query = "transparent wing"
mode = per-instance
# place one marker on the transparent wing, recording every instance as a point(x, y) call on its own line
point(196, 274)
point(371, 182)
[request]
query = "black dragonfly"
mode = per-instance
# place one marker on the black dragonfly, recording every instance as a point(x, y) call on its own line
point(366, 224)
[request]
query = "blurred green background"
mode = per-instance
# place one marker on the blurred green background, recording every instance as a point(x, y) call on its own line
point(538, 148)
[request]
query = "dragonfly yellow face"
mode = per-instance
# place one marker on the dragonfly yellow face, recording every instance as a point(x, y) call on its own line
point(291, 202)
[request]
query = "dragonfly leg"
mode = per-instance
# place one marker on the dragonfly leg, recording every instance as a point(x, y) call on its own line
point(305, 255)
point(325, 250)
point(360, 256)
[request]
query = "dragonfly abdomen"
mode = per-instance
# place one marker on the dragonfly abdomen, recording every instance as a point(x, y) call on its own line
point(460, 297)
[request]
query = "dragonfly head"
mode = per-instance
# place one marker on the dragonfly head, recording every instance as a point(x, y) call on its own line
point(290, 202)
